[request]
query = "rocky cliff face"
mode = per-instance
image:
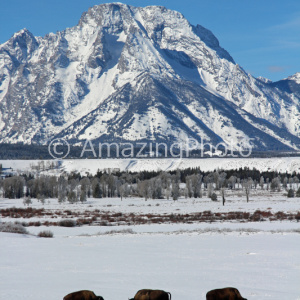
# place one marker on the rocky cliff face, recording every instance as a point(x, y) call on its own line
point(139, 74)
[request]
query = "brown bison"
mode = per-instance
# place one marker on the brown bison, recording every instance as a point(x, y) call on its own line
point(224, 294)
point(82, 295)
point(147, 294)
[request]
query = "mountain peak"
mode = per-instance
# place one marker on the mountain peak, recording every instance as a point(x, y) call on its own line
point(211, 41)
point(137, 74)
point(295, 77)
point(23, 34)
point(264, 79)
point(21, 45)
point(22, 31)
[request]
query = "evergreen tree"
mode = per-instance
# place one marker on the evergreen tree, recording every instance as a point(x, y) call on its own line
point(298, 192)
point(97, 193)
point(291, 193)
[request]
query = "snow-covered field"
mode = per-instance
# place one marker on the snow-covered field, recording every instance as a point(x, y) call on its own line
point(261, 259)
point(261, 266)
point(285, 164)
point(267, 201)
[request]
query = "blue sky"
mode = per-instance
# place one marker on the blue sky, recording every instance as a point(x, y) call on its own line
point(263, 36)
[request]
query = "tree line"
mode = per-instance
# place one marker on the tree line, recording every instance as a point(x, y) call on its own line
point(188, 183)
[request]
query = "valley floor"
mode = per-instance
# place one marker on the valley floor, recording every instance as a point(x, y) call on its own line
point(83, 166)
point(261, 259)
point(261, 265)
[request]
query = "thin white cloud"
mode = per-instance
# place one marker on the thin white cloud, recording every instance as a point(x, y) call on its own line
point(292, 24)
point(277, 69)
point(285, 35)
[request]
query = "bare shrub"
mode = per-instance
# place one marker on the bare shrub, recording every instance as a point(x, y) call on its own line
point(36, 224)
point(280, 215)
point(26, 213)
point(13, 228)
point(121, 231)
point(27, 201)
point(84, 221)
point(46, 234)
point(67, 223)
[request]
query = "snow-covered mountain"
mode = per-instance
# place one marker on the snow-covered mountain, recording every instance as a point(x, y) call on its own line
point(139, 74)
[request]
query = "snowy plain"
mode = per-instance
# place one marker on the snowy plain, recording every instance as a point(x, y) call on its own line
point(283, 164)
point(261, 259)
point(261, 266)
